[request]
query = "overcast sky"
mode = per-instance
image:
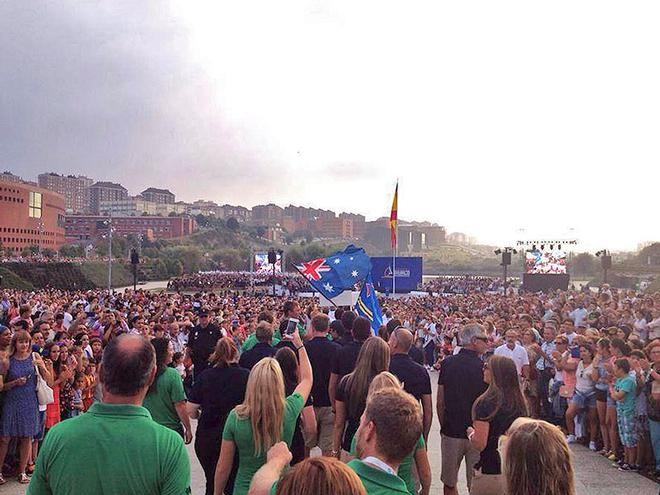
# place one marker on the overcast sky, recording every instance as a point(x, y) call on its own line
point(494, 116)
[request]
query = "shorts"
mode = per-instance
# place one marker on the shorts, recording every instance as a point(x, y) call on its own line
point(583, 400)
point(627, 433)
point(601, 395)
point(453, 451)
point(325, 424)
point(42, 426)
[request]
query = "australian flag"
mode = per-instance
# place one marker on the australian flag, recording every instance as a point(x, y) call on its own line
point(339, 272)
point(367, 305)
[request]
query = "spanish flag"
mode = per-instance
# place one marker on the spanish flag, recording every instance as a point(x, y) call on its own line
point(393, 219)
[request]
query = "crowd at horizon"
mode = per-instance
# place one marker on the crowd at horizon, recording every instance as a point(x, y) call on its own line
point(269, 379)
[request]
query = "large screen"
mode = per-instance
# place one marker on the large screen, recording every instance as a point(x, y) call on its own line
point(261, 264)
point(545, 261)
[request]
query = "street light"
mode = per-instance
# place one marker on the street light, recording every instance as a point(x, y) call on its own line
point(605, 262)
point(506, 258)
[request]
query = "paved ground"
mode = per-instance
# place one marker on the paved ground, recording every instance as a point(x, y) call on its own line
point(594, 474)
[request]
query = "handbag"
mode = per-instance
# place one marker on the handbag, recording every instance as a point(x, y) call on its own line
point(44, 392)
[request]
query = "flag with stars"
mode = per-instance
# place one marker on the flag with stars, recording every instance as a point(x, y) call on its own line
point(338, 272)
point(367, 305)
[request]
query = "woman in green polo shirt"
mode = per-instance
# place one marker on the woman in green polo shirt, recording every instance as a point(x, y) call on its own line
point(265, 418)
point(166, 399)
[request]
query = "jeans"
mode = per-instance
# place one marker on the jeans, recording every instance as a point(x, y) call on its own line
point(654, 428)
point(428, 353)
point(543, 388)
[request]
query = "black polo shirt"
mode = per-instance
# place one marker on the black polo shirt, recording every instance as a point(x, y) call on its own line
point(346, 358)
point(201, 344)
point(321, 353)
point(417, 355)
point(218, 391)
point(257, 353)
point(462, 376)
point(415, 378)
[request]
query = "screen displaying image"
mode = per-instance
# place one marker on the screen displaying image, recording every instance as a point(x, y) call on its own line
point(261, 264)
point(545, 261)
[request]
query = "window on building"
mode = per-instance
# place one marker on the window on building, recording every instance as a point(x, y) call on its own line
point(34, 205)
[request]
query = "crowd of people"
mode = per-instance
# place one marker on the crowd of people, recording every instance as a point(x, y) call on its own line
point(292, 282)
point(273, 382)
point(463, 284)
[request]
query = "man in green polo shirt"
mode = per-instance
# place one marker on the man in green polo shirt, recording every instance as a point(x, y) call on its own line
point(115, 447)
point(389, 431)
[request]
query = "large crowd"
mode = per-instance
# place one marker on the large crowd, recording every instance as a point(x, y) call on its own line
point(273, 382)
point(223, 280)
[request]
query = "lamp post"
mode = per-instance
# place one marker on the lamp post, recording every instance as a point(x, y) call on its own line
point(605, 262)
point(506, 259)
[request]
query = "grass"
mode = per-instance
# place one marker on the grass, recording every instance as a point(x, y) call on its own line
point(13, 281)
point(97, 273)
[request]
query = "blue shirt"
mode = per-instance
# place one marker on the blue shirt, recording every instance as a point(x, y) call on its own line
point(548, 348)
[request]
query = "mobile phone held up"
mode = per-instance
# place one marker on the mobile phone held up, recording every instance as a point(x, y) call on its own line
point(291, 326)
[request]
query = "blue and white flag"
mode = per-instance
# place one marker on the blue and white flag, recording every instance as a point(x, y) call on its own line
point(367, 305)
point(338, 272)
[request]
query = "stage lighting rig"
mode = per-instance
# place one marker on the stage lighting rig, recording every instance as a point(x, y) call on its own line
point(506, 258)
point(605, 262)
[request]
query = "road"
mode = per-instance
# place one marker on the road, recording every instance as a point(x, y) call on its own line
point(594, 474)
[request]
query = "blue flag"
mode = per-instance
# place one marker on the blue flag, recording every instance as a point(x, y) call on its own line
point(338, 272)
point(367, 305)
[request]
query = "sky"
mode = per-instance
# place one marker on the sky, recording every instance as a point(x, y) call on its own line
point(499, 119)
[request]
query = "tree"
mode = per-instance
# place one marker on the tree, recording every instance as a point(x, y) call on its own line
point(48, 253)
point(232, 224)
point(261, 231)
point(72, 251)
point(584, 264)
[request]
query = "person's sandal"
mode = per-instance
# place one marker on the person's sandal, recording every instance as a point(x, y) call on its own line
point(23, 479)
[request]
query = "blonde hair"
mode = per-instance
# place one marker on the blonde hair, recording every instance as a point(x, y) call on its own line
point(383, 380)
point(264, 404)
point(536, 459)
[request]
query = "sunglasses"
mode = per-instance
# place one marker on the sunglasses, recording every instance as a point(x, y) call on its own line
point(483, 339)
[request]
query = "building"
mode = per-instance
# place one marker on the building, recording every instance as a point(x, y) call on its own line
point(90, 227)
point(75, 189)
point(240, 213)
point(412, 237)
point(335, 228)
point(359, 223)
point(161, 196)
point(7, 176)
point(30, 216)
point(300, 213)
point(105, 191)
point(269, 214)
point(137, 206)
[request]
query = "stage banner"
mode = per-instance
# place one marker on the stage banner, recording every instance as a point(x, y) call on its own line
point(408, 273)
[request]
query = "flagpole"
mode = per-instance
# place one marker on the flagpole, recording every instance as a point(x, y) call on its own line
point(396, 241)
point(313, 288)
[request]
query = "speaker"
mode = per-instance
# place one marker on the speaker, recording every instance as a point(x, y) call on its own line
point(606, 261)
point(272, 257)
point(135, 258)
point(506, 258)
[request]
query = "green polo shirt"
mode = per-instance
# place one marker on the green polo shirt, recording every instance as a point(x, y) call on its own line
point(114, 449)
point(160, 403)
point(405, 468)
point(239, 431)
point(377, 481)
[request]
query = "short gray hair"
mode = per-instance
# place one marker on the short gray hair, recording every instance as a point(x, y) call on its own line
point(470, 331)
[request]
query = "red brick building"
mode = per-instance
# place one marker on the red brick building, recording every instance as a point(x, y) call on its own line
point(83, 227)
point(30, 216)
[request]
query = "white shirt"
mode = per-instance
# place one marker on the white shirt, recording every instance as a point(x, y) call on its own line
point(518, 354)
